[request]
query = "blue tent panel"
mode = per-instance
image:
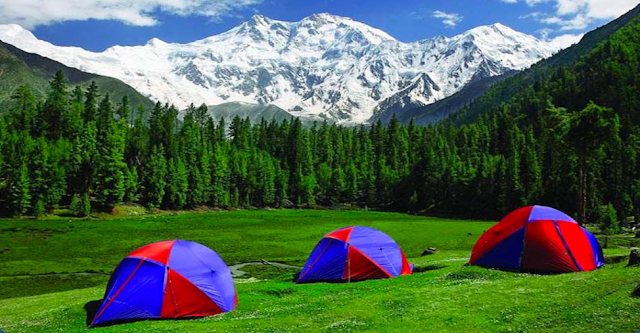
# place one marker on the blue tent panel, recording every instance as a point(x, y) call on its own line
point(507, 254)
point(206, 270)
point(378, 246)
point(595, 246)
point(547, 213)
point(326, 262)
point(133, 278)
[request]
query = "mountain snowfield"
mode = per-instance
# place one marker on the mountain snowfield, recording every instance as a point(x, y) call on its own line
point(322, 67)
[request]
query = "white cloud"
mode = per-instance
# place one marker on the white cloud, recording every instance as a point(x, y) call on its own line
point(544, 33)
point(560, 42)
point(449, 19)
point(578, 22)
point(32, 13)
point(534, 15)
point(578, 14)
point(564, 41)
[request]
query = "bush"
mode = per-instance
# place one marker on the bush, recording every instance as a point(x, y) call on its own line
point(86, 205)
point(80, 206)
point(76, 205)
point(39, 210)
point(608, 220)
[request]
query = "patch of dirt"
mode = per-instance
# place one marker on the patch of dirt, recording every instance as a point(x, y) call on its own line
point(35, 233)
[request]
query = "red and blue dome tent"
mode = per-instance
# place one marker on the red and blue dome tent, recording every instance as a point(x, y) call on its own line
point(171, 279)
point(538, 239)
point(354, 254)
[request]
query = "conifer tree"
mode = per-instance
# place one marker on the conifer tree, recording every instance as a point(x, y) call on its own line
point(132, 185)
point(220, 177)
point(56, 106)
point(110, 166)
point(20, 191)
point(177, 184)
point(75, 120)
point(91, 103)
point(24, 110)
point(586, 130)
point(155, 178)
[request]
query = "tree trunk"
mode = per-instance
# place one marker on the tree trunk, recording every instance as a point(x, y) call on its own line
point(582, 196)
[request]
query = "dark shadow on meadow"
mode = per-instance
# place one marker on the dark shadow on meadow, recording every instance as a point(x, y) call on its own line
point(91, 308)
point(422, 269)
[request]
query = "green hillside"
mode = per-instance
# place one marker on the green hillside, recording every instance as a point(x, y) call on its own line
point(19, 68)
point(564, 133)
point(601, 68)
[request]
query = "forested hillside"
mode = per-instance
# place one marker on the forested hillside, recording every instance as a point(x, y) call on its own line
point(576, 64)
point(595, 149)
point(78, 149)
point(547, 145)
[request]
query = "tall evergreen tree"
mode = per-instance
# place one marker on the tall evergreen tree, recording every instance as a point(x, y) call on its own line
point(155, 180)
point(56, 106)
point(110, 166)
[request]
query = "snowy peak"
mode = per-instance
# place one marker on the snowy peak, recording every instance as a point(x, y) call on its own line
point(329, 22)
point(321, 67)
point(498, 28)
point(259, 19)
point(15, 31)
point(324, 18)
point(260, 25)
point(156, 42)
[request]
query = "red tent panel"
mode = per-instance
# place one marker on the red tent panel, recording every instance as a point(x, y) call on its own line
point(406, 267)
point(499, 232)
point(342, 234)
point(545, 250)
point(579, 245)
point(361, 267)
point(183, 299)
point(158, 251)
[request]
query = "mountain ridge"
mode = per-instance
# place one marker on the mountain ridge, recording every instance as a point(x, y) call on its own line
point(515, 87)
point(24, 68)
point(321, 67)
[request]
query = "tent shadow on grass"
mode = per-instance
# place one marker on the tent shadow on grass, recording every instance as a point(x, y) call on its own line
point(91, 308)
point(423, 269)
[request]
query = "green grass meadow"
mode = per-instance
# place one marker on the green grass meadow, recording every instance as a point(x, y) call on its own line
point(50, 270)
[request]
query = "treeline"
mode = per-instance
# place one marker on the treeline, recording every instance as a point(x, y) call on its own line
point(81, 150)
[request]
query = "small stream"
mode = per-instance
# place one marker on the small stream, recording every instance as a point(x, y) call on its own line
point(236, 270)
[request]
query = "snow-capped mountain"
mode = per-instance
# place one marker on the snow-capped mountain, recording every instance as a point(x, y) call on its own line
point(323, 67)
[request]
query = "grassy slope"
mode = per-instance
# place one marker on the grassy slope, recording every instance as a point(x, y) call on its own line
point(445, 297)
point(18, 68)
point(14, 73)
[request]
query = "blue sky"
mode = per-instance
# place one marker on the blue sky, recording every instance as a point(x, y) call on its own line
point(98, 24)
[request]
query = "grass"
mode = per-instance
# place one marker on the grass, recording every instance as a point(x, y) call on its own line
point(49, 271)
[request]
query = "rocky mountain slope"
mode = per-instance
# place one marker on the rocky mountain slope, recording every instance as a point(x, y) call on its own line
point(322, 67)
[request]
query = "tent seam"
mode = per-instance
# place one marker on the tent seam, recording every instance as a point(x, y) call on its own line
point(119, 291)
